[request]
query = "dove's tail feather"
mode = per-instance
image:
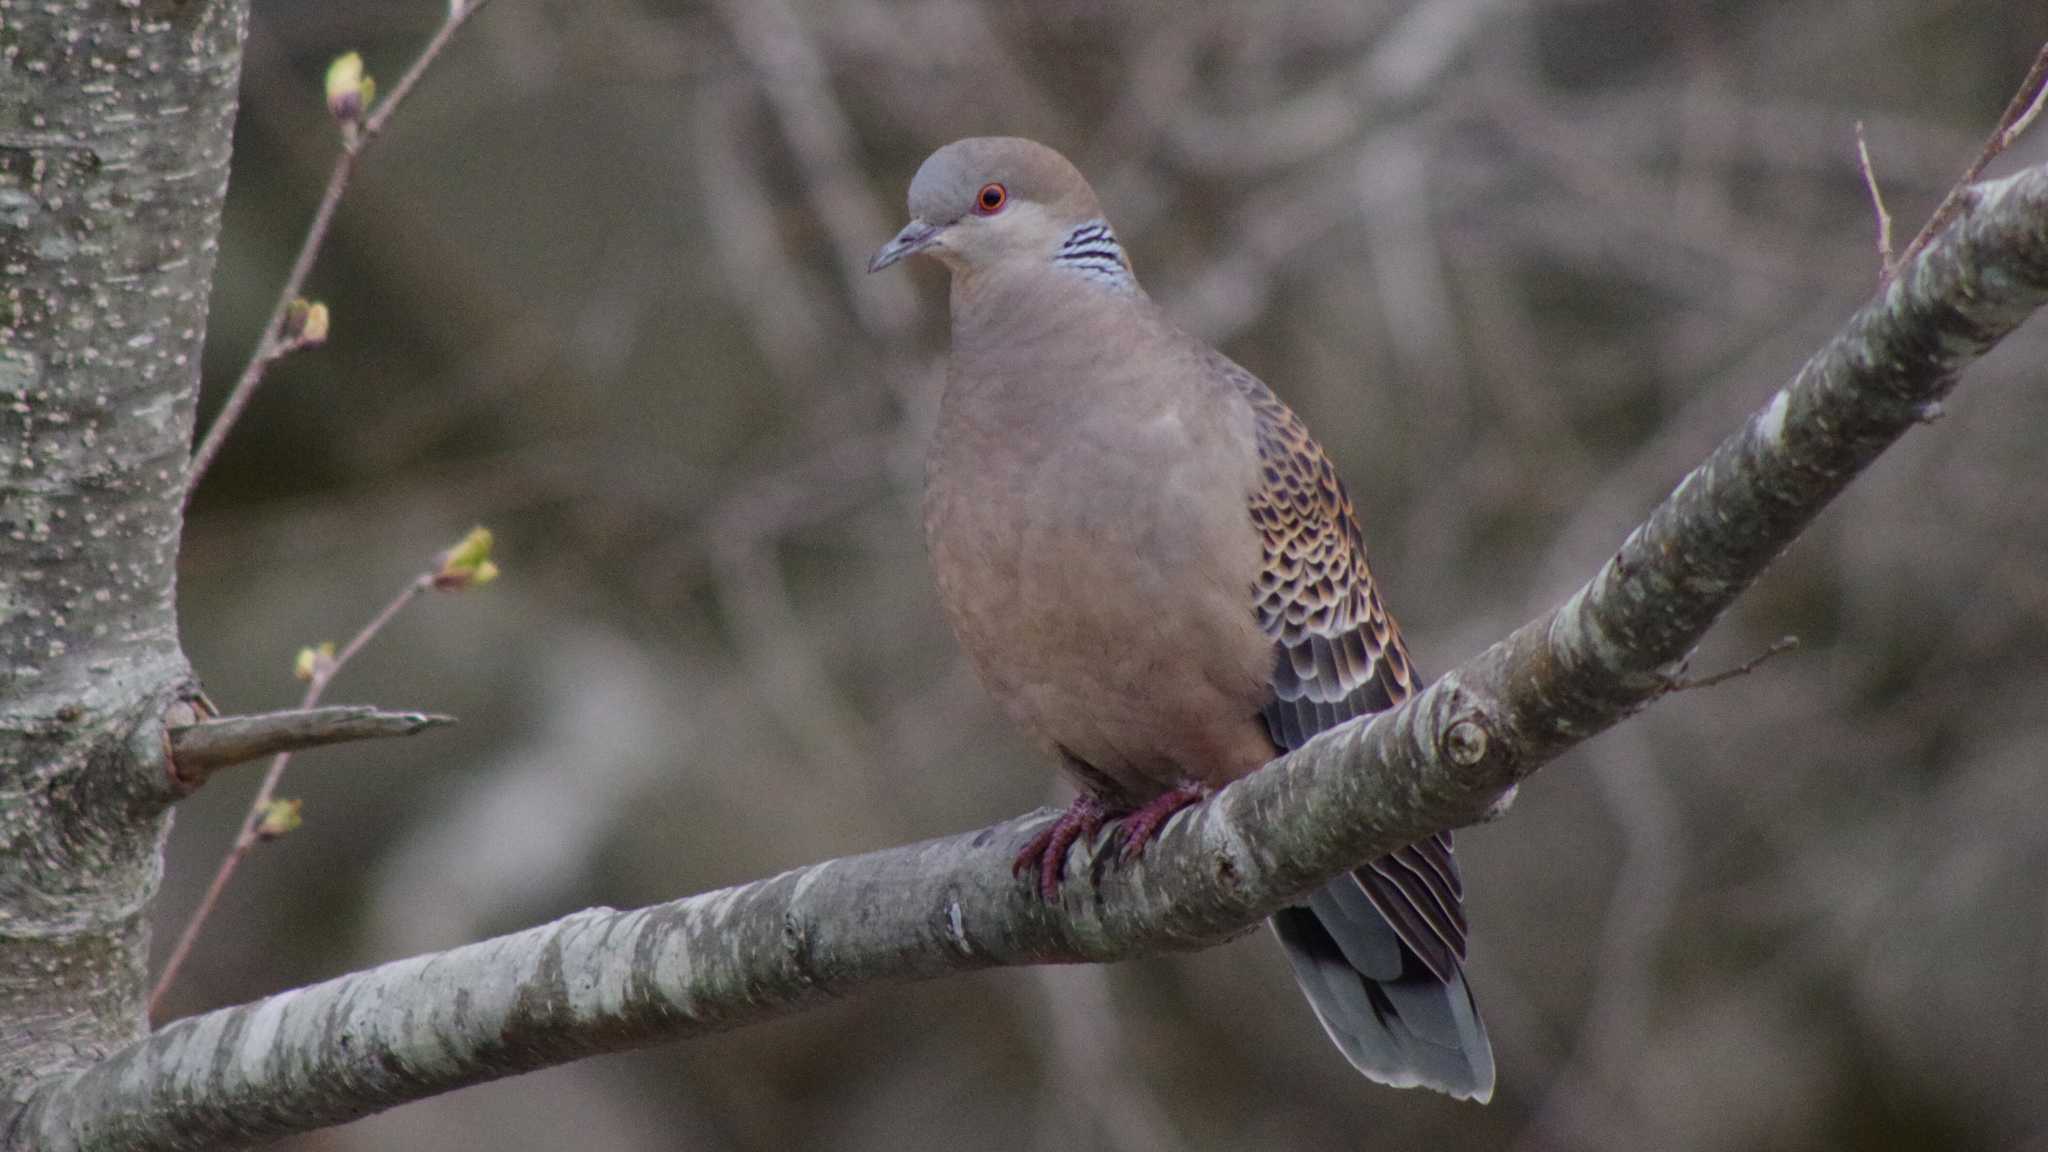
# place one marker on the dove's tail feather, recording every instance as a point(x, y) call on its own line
point(1394, 1018)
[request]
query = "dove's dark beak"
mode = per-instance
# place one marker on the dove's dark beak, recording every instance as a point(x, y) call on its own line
point(915, 237)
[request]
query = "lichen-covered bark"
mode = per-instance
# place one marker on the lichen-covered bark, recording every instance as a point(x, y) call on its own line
point(115, 118)
point(603, 980)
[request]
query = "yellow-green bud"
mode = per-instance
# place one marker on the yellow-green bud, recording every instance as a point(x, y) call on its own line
point(349, 90)
point(313, 332)
point(468, 564)
point(279, 817)
point(313, 661)
point(305, 323)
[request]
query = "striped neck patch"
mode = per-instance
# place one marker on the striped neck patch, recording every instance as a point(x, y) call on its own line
point(1092, 250)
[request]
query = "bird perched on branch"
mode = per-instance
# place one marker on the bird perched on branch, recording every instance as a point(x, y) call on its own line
point(1156, 571)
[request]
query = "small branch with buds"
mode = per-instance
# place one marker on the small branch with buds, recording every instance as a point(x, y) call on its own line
point(467, 565)
point(296, 323)
point(202, 749)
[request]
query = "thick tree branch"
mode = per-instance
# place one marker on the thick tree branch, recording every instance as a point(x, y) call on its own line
point(603, 980)
point(199, 750)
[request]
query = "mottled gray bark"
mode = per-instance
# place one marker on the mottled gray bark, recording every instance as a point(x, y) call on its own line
point(603, 980)
point(114, 137)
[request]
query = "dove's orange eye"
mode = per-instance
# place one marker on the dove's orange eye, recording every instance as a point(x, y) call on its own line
point(990, 199)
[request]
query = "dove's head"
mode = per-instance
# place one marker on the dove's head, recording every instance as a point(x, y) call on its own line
point(981, 201)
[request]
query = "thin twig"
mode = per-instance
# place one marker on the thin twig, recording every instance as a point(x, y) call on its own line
point(323, 672)
point(274, 345)
point(1884, 218)
point(202, 749)
point(2024, 120)
point(1780, 646)
point(2019, 112)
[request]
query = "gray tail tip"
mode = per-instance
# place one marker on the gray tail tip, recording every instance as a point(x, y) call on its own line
point(1393, 1020)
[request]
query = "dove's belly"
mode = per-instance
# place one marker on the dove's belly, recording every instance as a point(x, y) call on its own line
point(1102, 585)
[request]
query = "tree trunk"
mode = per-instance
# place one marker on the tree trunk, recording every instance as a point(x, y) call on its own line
point(115, 126)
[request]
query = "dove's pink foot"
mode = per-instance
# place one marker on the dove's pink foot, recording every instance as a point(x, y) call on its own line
point(1141, 826)
point(1046, 854)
